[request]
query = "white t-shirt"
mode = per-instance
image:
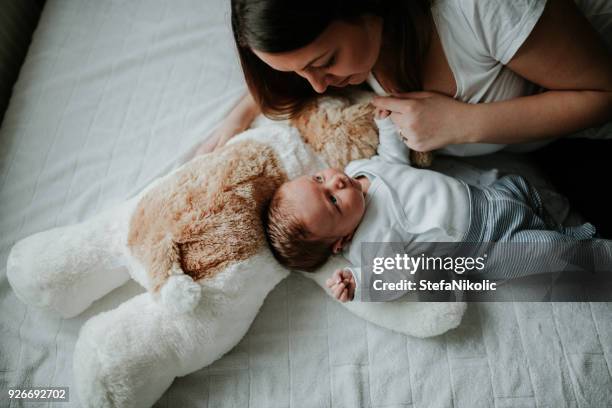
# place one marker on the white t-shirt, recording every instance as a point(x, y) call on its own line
point(405, 204)
point(479, 38)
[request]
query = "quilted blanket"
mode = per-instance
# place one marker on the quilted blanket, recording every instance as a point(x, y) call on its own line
point(116, 93)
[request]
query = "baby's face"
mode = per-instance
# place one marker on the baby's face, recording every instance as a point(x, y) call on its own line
point(330, 203)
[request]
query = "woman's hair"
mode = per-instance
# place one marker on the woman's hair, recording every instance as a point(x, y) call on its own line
point(276, 26)
point(290, 241)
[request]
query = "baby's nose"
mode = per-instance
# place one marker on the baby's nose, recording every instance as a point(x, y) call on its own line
point(339, 182)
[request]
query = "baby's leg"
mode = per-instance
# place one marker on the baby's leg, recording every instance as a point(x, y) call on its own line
point(65, 269)
point(533, 252)
point(522, 240)
point(579, 239)
point(518, 188)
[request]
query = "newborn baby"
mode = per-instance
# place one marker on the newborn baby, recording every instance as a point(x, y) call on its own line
point(384, 199)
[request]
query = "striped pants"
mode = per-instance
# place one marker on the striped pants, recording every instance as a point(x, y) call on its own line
point(527, 240)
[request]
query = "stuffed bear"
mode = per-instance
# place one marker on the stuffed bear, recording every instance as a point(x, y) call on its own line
point(194, 239)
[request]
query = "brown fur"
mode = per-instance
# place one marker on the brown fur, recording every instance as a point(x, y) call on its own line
point(208, 214)
point(421, 160)
point(339, 132)
point(342, 132)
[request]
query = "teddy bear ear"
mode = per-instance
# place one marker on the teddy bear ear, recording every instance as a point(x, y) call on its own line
point(338, 130)
point(314, 121)
point(307, 122)
point(421, 159)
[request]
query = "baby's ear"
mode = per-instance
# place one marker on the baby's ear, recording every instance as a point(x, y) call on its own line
point(337, 246)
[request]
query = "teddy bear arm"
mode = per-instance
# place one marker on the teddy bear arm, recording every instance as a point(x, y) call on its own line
point(64, 270)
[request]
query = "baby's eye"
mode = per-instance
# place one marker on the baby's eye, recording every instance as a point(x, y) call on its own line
point(333, 200)
point(318, 179)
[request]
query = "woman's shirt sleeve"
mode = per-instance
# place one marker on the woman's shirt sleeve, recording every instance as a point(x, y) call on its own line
point(501, 26)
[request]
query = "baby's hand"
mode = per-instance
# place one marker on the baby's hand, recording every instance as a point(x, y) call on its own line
point(342, 285)
point(381, 113)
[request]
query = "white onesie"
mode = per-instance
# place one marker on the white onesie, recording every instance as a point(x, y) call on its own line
point(405, 204)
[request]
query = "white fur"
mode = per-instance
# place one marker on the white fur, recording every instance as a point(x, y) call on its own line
point(129, 356)
point(66, 269)
point(418, 319)
point(180, 293)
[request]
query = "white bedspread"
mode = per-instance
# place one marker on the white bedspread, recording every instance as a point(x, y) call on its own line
point(115, 93)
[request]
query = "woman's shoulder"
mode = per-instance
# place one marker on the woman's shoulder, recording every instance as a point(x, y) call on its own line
point(488, 8)
point(499, 26)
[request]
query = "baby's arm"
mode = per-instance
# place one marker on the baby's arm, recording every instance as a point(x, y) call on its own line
point(391, 148)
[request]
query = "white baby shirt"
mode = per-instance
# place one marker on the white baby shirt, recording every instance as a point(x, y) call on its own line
point(405, 204)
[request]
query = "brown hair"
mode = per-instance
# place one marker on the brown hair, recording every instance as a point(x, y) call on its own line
point(289, 239)
point(284, 25)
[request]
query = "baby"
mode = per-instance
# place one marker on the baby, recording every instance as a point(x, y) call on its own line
point(384, 199)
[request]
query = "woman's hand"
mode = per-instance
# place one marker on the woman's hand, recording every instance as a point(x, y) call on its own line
point(429, 121)
point(342, 285)
point(218, 138)
point(238, 120)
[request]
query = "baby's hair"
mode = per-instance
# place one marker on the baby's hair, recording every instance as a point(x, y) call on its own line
point(289, 239)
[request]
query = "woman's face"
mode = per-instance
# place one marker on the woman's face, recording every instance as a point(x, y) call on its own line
point(342, 55)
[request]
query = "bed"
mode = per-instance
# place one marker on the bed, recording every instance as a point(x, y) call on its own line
point(115, 93)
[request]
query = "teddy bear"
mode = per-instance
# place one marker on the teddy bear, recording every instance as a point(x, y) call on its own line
point(194, 240)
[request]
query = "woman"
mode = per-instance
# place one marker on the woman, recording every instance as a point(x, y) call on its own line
point(468, 77)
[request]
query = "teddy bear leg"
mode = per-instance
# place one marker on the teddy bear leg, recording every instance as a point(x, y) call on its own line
point(65, 269)
point(129, 356)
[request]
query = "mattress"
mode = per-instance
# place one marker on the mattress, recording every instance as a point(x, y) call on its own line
point(116, 93)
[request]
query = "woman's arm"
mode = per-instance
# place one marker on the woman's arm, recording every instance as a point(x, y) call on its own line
point(565, 55)
point(547, 115)
point(238, 120)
